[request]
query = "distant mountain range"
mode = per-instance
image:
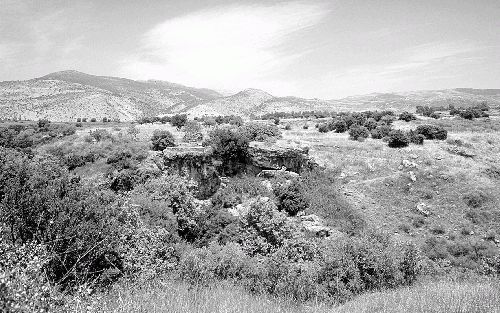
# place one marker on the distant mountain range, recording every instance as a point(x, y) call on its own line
point(68, 95)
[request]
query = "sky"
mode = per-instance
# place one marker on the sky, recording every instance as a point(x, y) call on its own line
point(314, 49)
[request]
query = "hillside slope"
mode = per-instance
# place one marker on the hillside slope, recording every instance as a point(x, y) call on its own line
point(255, 102)
point(401, 101)
point(68, 95)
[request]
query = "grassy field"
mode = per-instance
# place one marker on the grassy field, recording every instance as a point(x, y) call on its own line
point(168, 296)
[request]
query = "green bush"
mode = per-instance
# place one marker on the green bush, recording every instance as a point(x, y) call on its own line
point(259, 131)
point(415, 138)
point(475, 199)
point(178, 120)
point(40, 202)
point(291, 198)
point(162, 139)
point(100, 135)
point(381, 131)
point(432, 132)
point(340, 126)
point(407, 117)
point(323, 128)
point(358, 133)
point(230, 146)
point(398, 139)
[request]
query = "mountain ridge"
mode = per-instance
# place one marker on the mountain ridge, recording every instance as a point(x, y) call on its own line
point(68, 95)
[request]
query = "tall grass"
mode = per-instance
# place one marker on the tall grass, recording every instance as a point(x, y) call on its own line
point(169, 296)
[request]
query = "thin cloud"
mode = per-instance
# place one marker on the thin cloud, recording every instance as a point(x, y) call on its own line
point(224, 47)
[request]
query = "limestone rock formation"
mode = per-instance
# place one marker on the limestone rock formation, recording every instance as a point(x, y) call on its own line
point(195, 163)
point(265, 156)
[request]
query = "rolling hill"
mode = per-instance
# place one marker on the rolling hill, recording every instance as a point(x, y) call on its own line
point(68, 95)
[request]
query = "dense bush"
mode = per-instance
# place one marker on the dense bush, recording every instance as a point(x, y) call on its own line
point(358, 133)
point(340, 126)
point(398, 139)
point(415, 138)
point(40, 202)
point(161, 140)
point(407, 117)
point(178, 120)
point(25, 136)
point(432, 132)
point(100, 135)
point(230, 146)
point(323, 128)
point(260, 131)
point(381, 131)
point(291, 198)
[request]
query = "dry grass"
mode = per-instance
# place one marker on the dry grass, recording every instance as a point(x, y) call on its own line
point(177, 297)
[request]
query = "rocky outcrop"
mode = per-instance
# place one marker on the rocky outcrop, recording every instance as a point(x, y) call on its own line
point(265, 156)
point(195, 163)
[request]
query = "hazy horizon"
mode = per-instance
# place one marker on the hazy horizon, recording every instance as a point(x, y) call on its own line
point(311, 49)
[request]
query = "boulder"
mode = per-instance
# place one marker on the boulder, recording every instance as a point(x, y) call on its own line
point(423, 209)
point(196, 164)
point(314, 225)
point(266, 156)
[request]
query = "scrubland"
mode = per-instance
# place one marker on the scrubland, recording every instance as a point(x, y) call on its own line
point(100, 227)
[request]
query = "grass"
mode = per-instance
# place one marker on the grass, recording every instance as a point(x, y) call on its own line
point(169, 296)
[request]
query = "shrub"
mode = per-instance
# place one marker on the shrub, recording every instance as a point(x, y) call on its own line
point(358, 133)
point(133, 131)
point(398, 139)
point(259, 131)
point(475, 199)
point(381, 131)
point(415, 138)
point(162, 139)
point(407, 117)
point(432, 132)
point(323, 128)
point(40, 202)
point(435, 115)
point(340, 126)
point(291, 198)
point(100, 135)
point(178, 120)
point(79, 124)
point(370, 124)
point(192, 132)
point(276, 121)
point(43, 124)
point(230, 146)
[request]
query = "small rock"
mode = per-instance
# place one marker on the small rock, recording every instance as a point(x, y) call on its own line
point(412, 176)
point(408, 164)
point(422, 208)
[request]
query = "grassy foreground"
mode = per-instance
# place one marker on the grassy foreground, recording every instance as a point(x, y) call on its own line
point(177, 297)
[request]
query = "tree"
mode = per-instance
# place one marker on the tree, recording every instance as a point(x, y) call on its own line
point(162, 139)
point(178, 120)
point(358, 133)
point(398, 139)
point(230, 147)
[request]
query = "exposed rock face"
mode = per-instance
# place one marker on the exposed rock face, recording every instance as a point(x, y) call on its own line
point(265, 156)
point(197, 164)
